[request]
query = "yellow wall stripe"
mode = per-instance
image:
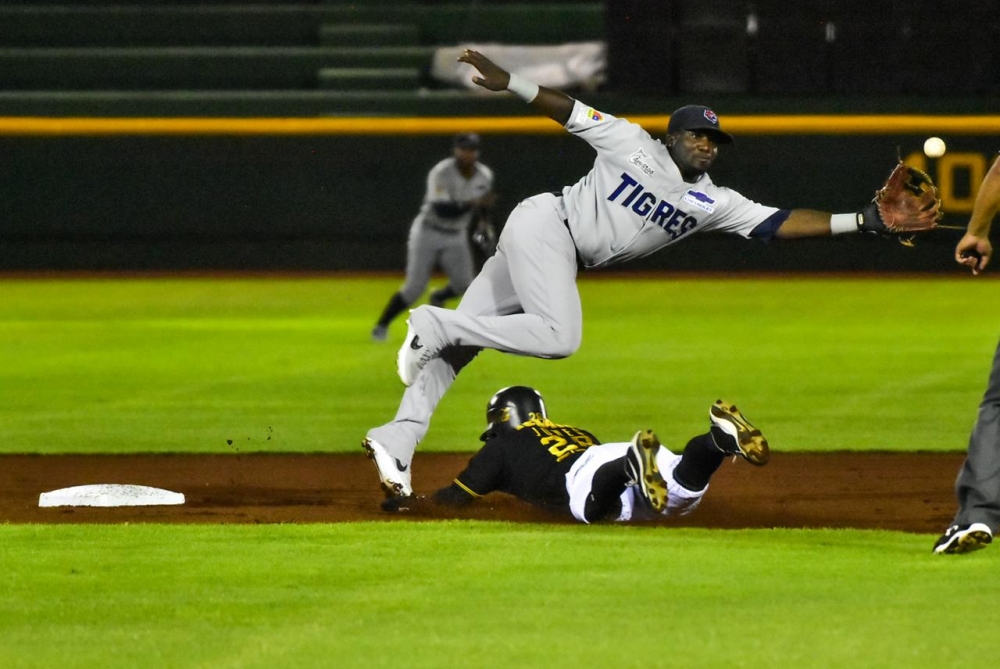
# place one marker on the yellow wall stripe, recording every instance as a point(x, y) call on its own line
point(739, 125)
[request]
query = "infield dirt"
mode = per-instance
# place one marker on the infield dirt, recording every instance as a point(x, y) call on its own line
point(910, 492)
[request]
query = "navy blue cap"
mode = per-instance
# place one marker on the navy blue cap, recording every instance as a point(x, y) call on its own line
point(697, 117)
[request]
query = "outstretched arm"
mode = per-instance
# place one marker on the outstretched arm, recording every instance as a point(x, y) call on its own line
point(805, 223)
point(974, 249)
point(550, 102)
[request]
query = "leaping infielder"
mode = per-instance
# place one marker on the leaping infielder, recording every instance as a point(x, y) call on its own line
point(641, 195)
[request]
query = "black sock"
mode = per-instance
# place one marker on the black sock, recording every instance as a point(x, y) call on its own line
point(395, 307)
point(442, 294)
point(700, 460)
point(604, 501)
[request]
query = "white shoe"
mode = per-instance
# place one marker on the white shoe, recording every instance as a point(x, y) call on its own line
point(394, 475)
point(417, 350)
point(964, 539)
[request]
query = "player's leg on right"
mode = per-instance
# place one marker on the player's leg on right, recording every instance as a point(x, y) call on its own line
point(977, 487)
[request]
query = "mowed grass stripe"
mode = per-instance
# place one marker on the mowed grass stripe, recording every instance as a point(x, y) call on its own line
point(183, 364)
point(486, 594)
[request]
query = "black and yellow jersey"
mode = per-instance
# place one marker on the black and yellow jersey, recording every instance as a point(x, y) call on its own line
point(529, 462)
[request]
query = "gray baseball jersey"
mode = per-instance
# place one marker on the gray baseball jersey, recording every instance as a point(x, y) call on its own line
point(446, 184)
point(437, 236)
point(635, 193)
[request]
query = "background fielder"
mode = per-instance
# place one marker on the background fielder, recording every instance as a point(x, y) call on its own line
point(459, 193)
point(641, 195)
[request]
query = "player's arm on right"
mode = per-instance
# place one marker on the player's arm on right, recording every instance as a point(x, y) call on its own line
point(974, 248)
point(550, 102)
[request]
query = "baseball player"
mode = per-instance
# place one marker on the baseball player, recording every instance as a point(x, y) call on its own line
point(978, 483)
point(641, 195)
point(562, 467)
point(459, 192)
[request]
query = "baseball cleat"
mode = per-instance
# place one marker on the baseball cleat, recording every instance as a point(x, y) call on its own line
point(640, 465)
point(734, 435)
point(394, 475)
point(963, 539)
point(417, 350)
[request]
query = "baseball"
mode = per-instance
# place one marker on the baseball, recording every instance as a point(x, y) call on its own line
point(935, 147)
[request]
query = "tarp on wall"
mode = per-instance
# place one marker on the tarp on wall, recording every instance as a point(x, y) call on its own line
point(576, 65)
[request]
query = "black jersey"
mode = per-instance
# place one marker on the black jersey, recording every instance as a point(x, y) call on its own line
point(530, 463)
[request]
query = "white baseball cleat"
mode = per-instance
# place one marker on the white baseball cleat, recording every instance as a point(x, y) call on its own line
point(417, 350)
point(736, 436)
point(963, 539)
point(641, 467)
point(394, 475)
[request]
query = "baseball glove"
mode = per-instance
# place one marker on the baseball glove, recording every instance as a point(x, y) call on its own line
point(907, 203)
point(485, 238)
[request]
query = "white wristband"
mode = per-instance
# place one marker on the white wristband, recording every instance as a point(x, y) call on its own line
point(521, 87)
point(843, 223)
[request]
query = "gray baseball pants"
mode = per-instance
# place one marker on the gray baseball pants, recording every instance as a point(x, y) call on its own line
point(524, 301)
point(978, 484)
point(427, 247)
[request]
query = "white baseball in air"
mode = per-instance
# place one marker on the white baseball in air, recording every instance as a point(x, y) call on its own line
point(935, 147)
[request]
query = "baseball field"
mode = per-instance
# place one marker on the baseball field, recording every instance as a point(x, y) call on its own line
point(250, 394)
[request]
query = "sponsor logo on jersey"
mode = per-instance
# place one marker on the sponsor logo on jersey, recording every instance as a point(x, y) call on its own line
point(699, 200)
point(594, 115)
point(633, 195)
point(639, 159)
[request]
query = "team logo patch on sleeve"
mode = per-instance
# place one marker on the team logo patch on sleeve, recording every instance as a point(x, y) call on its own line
point(589, 114)
point(700, 200)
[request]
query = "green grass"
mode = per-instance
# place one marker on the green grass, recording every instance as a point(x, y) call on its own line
point(161, 365)
point(184, 365)
point(487, 594)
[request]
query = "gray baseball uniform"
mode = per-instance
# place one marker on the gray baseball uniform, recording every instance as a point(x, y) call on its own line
point(633, 202)
point(978, 484)
point(438, 234)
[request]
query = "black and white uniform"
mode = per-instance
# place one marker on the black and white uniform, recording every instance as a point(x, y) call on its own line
point(632, 203)
point(557, 466)
point(438, 235)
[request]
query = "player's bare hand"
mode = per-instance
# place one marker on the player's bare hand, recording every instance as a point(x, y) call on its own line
point(493, 78)
point(974, 252)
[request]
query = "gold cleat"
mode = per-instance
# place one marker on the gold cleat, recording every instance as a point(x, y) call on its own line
point(641, 466)
point(740, 436)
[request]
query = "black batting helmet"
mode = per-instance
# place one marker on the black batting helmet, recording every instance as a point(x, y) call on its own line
point(511, 407)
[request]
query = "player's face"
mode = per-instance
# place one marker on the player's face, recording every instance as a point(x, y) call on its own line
point(694, 151)
point(465, 158)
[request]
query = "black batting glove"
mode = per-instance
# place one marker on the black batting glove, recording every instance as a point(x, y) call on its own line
point(870, 223)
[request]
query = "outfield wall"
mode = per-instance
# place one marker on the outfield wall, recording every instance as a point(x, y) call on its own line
point(337, 194)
